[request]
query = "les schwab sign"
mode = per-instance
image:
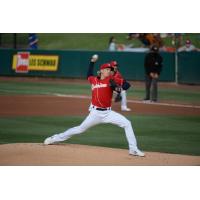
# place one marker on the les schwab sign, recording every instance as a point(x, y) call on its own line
point(24, 62)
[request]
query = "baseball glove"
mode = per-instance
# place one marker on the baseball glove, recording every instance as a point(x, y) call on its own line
point(114, 86)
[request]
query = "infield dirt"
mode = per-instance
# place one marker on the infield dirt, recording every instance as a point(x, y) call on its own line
point(43, 105)
point(73, 154)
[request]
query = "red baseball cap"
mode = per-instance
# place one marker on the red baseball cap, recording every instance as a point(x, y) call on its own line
point(113, 63)
point(105, 65)
point(188, 41)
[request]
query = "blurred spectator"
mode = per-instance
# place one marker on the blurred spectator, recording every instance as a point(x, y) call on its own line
point(115, 47)
point(188, 47)
point(33, 41)
point(112, 45)
point(158, 40)
point(149, 39)
point(153, 66)
point(143, 37)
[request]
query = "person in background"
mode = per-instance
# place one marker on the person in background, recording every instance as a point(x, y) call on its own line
point(188, 47)
point(33, 41)
point(144, 40)
point(121, 95)
point(153, 66)
point(112, 45)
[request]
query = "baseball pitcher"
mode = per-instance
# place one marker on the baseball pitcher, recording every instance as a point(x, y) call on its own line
point(100, 110)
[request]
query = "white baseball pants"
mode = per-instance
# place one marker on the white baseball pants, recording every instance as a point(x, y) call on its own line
point(99, 117)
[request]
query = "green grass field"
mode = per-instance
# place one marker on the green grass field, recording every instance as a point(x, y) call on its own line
point(163, 134)
point(173, 134)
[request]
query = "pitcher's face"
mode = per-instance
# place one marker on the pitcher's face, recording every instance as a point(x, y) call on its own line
point(106, 72)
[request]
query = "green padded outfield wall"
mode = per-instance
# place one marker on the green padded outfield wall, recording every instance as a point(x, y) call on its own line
point(189, 67)
point(74, 64)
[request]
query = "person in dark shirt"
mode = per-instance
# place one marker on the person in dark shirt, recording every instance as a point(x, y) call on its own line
point(153, 66)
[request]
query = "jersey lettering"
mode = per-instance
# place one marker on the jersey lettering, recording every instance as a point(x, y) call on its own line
point(99, 86)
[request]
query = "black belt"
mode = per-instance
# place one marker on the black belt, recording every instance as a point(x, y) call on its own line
point(102, 109)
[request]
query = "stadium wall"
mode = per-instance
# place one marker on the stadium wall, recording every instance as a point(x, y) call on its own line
point(189, 67)
point(74, 64)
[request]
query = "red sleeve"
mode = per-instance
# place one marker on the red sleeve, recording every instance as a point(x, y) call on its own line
point(91, 79)
point(119, 81)
point(118, 75)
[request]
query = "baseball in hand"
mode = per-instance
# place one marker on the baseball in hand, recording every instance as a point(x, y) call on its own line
point(95, 57)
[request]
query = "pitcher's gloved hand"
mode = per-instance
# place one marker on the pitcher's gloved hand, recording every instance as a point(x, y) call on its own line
point(118, 97)
point(126, 85)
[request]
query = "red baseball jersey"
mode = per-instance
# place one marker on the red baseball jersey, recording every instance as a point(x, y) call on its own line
point(101, 90)
point(118, 75)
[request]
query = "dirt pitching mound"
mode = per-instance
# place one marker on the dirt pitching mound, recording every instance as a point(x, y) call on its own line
point(73, 154)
